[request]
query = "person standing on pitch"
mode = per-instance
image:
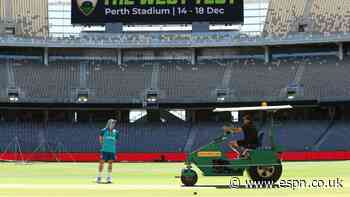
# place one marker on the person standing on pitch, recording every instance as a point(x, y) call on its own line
point(108, 138)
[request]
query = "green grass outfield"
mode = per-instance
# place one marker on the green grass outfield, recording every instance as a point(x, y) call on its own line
point(156, 180)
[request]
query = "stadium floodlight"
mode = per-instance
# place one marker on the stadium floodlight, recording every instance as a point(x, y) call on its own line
point(13, 98)
point(152, 96)
point(152, 99)
point(82, 99)
point(13, 95)
point(221, 95)
point(291, 97)
point(220, 99)
point(83, 96)
point(293, 91)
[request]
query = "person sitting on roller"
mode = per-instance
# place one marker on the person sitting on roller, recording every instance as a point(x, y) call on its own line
point(250, 140)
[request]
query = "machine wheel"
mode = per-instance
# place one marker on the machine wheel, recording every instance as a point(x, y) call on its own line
point(189, 177)
point(265, 174)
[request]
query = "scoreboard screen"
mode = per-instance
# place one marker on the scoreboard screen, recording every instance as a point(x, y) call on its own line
point(156, 11)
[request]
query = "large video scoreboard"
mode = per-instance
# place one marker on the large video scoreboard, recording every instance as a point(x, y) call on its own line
point(156, 11)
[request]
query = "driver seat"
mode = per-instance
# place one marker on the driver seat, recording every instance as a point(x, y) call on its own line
point(245, 153)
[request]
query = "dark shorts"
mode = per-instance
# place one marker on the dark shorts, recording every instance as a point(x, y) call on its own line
point(246, 144)
point(106, 156)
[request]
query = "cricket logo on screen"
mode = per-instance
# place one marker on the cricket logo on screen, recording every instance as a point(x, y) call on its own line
point(87, 6)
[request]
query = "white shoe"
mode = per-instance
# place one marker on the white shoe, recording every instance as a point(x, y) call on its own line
point(109, 179)
point(98, 179)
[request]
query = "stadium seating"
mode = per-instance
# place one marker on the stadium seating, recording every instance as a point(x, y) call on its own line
point(326, 78)
point(3, 79)
point(281, 15)
point(205, 132)
point(44, 83)
point(320, 16)
point(299, 134)
point(320, 77)
point(25, 136)
point(156, 137)
point(232, 61)
point(185, 82)
point(252, 79)
point(293, 135)
point(282, 18)
point(113, 83)
point(83, 137)
point(330, 16)
point(338, 138)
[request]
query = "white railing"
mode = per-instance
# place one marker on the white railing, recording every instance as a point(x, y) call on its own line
point(172, 39)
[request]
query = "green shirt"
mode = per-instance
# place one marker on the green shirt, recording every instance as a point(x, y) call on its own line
point(109, 140)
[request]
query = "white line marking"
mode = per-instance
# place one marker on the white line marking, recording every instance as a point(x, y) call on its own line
point(114, 186)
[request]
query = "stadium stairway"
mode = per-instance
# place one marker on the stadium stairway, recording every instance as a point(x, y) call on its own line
point(337, 137)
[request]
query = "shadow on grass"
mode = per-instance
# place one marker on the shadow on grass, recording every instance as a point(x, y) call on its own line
point(234, 188)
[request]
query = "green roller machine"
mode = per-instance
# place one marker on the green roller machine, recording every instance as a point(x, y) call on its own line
point(262, 164)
